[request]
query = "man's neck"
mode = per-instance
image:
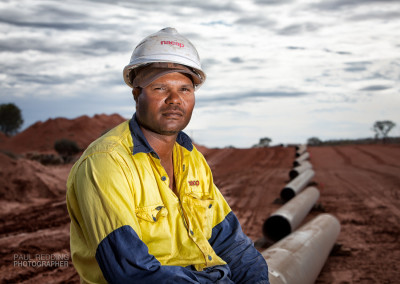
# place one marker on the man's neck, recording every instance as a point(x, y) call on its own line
point(163, 145)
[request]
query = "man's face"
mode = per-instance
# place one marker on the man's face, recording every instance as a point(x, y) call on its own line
point(165, 106)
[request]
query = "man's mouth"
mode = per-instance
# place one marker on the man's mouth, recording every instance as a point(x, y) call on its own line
point(173, 113)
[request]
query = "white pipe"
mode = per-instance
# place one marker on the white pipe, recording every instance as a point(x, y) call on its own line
point(299, 258)
point(289, 217)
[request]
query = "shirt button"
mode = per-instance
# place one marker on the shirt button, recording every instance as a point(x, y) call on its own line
point(191, 232)
point(209, 257)
point(163, 178)
point(209, 206)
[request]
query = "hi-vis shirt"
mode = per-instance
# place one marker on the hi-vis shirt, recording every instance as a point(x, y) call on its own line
point(128, 226)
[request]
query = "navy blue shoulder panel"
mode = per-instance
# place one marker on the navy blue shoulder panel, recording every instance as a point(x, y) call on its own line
point(247, 265)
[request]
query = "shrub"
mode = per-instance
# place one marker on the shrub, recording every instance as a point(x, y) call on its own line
point(66, 148)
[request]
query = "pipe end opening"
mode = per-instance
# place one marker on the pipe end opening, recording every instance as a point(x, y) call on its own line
point(276, 227)
point(293, 174)
point(287, 193)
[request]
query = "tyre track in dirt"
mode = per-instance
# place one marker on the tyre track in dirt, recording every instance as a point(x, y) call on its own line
point(358, 188)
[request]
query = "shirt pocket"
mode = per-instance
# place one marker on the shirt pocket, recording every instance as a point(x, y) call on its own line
point(151, 213)
point(154, 228)
point(200, 208)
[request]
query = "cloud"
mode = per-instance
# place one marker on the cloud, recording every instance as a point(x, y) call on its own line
point(272, 2)
point(256, 20)
point(216, 23)
point(383, 15)
point(236, 60)
point(338, 4)
point(295, 48)
point(338, 52)
point(238, 98)
point(375, 88)
point(298, 29)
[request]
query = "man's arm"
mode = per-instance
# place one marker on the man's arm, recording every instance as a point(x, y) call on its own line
point(230, 243)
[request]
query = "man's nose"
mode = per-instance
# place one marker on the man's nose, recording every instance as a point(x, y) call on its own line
point(173, 97)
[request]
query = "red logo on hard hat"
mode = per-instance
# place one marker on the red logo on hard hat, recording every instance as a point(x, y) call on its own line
point(194, 183)
point(172, 43)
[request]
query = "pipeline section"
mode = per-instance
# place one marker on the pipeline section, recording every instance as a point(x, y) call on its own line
point(302, 167)
point(288, 218)
point(305, 156)
point(300, 149)
point(296, 185)
point(299, 257)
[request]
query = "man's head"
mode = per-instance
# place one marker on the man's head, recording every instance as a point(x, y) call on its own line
point(165, 105)
point(164, 71)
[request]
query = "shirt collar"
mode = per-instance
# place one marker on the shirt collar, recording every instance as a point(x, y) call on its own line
point(140, 144)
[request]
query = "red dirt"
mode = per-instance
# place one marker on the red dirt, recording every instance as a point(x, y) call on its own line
point(42, 135)
point(359, 184)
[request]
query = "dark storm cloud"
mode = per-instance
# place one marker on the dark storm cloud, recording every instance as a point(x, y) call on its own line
point(338, 52)
point(357, 66)
point(253, 20)
point(375, 88)
point(298, 29)
point(295, 48)
point(216, 23)
point(355, 69)
point(238, 98)
point(46, 25)
point(236, 60)
point(272, 2)
point(44, 79)
point(337, 4)
point(98, 47)
point(151, 5)
point(95, 47)
point(208, 6)
point(391, 15)
point(23, 44)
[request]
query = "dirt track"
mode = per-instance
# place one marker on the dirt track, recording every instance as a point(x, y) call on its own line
point(359, 185)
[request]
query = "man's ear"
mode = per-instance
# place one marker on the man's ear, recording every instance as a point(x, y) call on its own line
point(136, 92)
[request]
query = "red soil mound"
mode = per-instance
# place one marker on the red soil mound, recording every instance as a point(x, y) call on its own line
point(24, 180)
point(42, 135)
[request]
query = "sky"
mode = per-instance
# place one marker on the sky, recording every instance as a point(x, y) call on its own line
point(284, 69)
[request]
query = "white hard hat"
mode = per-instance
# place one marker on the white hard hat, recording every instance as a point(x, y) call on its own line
point(166, 45)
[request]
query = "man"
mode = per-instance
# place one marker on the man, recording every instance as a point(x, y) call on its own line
point(142, 202)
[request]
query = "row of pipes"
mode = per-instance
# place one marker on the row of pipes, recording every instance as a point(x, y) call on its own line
point(298, 254)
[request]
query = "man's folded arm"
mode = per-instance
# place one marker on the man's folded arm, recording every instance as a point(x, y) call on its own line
point(230, 243)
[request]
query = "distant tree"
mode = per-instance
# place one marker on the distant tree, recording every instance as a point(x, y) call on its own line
point(314, 141)
point(382, 128)
point(264, 142)
point(10, 118)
